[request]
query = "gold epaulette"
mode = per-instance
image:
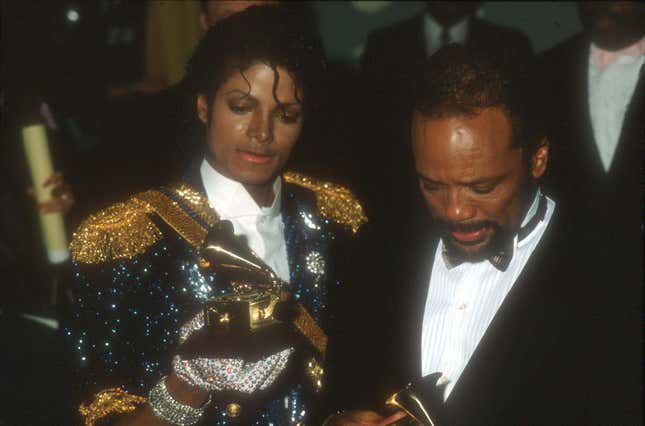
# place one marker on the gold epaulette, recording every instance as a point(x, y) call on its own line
point(126, 230)
point(334, 201)
point(121, 231)
point(108, 402)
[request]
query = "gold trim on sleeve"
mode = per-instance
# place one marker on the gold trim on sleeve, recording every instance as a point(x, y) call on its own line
point(334, 202)
point(107, 402)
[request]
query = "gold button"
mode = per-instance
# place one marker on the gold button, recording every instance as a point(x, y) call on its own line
point(233, 410)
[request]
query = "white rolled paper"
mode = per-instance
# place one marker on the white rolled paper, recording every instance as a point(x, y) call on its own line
point(52, 225)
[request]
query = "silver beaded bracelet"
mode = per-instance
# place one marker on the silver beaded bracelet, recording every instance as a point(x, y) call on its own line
point(168, 409)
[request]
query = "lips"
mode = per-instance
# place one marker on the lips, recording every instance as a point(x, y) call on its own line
point(468, 237)
point(255, 158)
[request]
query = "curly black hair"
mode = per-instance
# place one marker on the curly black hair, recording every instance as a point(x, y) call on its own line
point(461, 81)
point(273, 35)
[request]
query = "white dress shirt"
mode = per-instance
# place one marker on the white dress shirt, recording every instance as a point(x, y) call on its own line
point(432, 29)
point(463, 300)
point(262, 226)
point(610, 91)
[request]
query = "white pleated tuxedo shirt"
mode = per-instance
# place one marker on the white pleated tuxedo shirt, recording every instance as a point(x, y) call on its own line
point(611, 89)
point(262, 226)
point(463, 300)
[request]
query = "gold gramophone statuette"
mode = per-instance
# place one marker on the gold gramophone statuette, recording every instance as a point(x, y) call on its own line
point(253, 299)
point(241, 311)
point(407, 401)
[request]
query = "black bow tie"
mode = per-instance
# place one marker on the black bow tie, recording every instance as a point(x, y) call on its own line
point(502, 258)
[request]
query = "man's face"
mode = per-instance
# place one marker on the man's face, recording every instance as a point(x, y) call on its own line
point(473, 179)
point(216, 10)
point(250, 135)
point(613, 25)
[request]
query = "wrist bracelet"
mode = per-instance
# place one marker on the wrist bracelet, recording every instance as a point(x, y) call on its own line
point(168, 409)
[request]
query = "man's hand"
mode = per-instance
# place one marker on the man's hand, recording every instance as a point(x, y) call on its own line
point(62, 196)
point(220, 362)
point(363, 418)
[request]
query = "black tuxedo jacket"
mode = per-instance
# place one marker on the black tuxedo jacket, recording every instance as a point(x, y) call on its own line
point(607, 207)
point(536, 363)
point(393, 54)
point(576, 169)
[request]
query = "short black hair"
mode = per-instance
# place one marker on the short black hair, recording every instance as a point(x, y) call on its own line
point(461, 81)
point(274, 35)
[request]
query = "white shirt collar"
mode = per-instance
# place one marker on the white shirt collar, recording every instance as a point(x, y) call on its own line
point(230, 199)
point(533, 208)
point(457, 33)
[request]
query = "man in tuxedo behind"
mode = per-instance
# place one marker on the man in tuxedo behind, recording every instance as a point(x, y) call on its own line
point(491, 314)
point(593, 97)
point(392, 58)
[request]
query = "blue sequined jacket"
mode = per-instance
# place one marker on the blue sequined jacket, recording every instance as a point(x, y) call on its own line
point(138, 280)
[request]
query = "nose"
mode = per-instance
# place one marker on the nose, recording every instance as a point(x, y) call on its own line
point(458, 206)
point(260, 128)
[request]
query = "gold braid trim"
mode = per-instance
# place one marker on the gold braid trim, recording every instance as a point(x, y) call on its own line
point(107, 402)
point(334, 202)
point(121, 231)
point(171, 213)
point(310, 329)
point(197, 202)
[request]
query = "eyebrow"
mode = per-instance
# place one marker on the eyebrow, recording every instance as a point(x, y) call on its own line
point(249, 96)
point(240, 92)
point(478, 181)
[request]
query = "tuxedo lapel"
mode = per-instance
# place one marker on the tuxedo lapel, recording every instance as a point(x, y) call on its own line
point(414, 281)
point(588, 151)
point(514, 342)
point(418, 300)
point(416, 41)
point(629, 147)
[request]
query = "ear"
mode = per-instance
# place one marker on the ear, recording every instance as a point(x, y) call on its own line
point(540, 159)
point(203, 21)
point(202, 108)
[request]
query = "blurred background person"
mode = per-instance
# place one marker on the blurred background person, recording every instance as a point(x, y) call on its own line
point(173, 29)
point(593, 97)
point(34, 292)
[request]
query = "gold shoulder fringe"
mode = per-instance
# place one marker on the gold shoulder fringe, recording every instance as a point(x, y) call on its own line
point(121, 231)
point(334, 202)
point(107, 402)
